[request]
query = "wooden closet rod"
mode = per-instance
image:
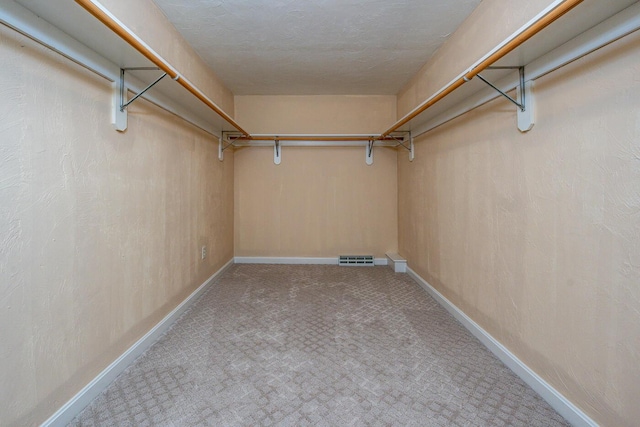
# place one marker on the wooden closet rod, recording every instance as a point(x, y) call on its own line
point(335, 138)
point(512, 44)
point(98, 11)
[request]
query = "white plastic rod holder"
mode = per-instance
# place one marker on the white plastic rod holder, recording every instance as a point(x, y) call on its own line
point(277, 152)
point(526, 117)
point(119, 115)
point(411, 150)
point(369, 153)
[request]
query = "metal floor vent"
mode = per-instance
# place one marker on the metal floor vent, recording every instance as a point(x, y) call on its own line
point(356, 260)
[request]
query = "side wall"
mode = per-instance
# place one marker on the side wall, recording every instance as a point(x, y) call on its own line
point(100, 231)
point(319, 202)
point(537, 236)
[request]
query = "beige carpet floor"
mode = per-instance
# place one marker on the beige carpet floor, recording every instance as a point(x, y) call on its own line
point(317, 346)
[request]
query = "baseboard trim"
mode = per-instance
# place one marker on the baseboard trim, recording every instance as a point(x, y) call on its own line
point(296, 260)
point(73, 407)
point(568, 410)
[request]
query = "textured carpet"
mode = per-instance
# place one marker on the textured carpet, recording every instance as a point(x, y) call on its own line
point(322, 346)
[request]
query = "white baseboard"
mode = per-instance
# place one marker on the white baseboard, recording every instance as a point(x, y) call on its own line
point(561, 404)
point(73, 407)
point(296, 260)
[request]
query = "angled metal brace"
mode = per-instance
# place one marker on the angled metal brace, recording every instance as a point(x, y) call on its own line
point(406, 142)
point(520, 104)
point(402, 140)
point(124, 105)
point(120, 104)
point(225, 138)
point(229, 144)
point(526, 117)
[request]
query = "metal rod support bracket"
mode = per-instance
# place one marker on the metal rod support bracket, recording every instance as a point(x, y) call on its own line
point(402, 141)
point(119, 118)
point(518, 104)
point(277, 152)
point(405, 141)
point(524, 94)
point(225, 138)
point(222, 146)
point(369, 152)
point(124, 105)
point(229, 144)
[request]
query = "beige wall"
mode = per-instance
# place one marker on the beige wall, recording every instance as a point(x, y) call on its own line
point(537, 236)
point(100, 231)
point(319, 202)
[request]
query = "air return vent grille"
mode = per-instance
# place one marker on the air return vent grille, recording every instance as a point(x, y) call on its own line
point(356, 260)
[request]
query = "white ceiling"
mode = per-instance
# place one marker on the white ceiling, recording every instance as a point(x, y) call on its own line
point(304, 47)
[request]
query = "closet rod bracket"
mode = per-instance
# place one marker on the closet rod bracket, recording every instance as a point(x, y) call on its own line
point(404, 140)
point(228, 138)
point(277, 151)
point(120, 103)
point(524, 95)
point(520, 104)
point(369, 152)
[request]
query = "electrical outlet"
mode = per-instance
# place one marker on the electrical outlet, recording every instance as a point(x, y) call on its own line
point(203, 252)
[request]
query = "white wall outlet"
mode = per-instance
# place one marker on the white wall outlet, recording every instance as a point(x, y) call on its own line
point(203, 252)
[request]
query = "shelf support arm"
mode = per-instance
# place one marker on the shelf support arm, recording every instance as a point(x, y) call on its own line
point(526, 112)
point(402, 140)
point(518, 104)
point(124, 105)
point(226, 138)
point(222, 146)
point(405, 141)
point(119, 118)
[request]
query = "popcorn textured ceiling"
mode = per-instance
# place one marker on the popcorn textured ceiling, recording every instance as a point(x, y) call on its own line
point(293, 47)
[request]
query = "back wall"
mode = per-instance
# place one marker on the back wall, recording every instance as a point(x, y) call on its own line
point(319, 202)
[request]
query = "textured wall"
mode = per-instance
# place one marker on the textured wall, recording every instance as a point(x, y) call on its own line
point(99, 231)
point(319, 202)
point(537, 236)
